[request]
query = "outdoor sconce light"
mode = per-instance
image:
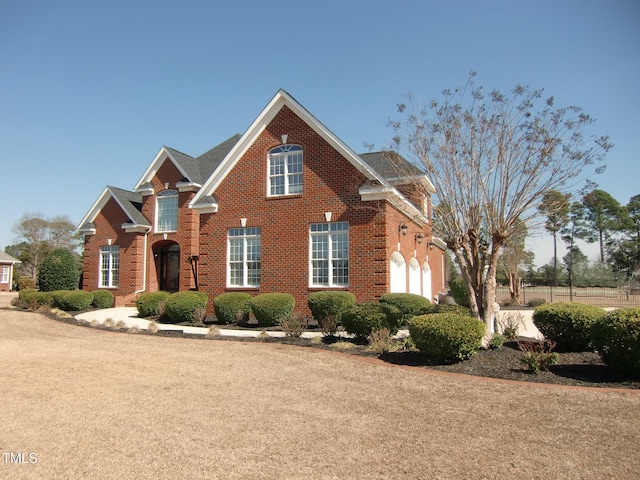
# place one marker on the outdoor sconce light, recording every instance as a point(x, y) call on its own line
point(431, 244)
point(402, 228)
point(419, 236)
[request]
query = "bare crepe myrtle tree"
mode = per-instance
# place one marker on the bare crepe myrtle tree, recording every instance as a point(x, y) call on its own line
point(492, 157)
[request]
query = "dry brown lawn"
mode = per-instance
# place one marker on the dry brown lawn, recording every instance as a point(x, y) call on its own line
point(97, 404)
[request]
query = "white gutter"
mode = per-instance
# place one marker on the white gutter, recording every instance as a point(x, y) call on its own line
point(144, 263)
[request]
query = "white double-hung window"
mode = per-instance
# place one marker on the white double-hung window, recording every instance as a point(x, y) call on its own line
point(244, 257)
point(167, 211)
point(109, 266)
point(329, 263)
point(285, 170)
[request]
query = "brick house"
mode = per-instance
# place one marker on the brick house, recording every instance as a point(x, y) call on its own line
point(7, 263)
point(285, 207)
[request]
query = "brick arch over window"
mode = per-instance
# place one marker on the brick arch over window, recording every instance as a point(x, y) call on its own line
point(397, 273)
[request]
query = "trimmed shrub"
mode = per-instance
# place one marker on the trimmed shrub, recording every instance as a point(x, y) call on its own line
point(74, 300)
point(409, 304)
point(102, 299)
point(25, 283)
point(327, 307)
point(270, 308)
point(232, 307)
point(616, 336)
point(186, 306)
point(364, 318)
point(148, 303)
point(458, 291)
point(446, 308)
point(447, 337)
point(58, 271)
point(567, 324)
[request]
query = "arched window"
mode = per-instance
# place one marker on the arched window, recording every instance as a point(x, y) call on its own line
point(414, 276)
point(426, 281)
point(167, 211)
point(285, 170)
point(397, 273)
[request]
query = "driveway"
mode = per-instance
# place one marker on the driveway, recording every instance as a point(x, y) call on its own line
point(79, 402)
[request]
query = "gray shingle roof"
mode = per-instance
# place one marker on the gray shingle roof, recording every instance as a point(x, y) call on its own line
point(391, 165)
point(132, 204)
point(6, 258)
point(199, 169)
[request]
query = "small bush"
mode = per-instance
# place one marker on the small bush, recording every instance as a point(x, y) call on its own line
point(447, 337)
point(327, 306)
point(147, 303)
point(25, 283)
point(362, 319)
point(186, 306)
point(510, 324)
point(270, 308)
point(408, 304)
point(380, 341)
point(74, 300)
point(232, 307)
point(496, 341)
point(58, 271)
point(293, 325)
point(616, 336)
point(102, 299)
point(567, 324)
point(458, 291)
point(536, 302)
point(538, 355)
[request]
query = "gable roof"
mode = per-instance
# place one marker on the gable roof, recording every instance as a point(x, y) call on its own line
point(6, 258)
point(194, 170)
point(205, 199)
point(129, 202)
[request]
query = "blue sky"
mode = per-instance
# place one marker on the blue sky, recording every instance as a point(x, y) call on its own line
point(90, 92)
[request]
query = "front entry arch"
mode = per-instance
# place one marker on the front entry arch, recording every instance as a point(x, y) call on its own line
point(167, 257)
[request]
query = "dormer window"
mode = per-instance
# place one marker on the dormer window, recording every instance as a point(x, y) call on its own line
point(167, 211)
point(285, 170)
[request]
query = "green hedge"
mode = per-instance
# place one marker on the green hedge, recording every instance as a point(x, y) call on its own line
point(186, 306)
point(270, 308)
point(616, 336)
point(409, 304)
point(73, 300)
point(232, 307)
point(102, 299)
point(567, 324)
point(446, 337)
point(58, 271)
point(147, 303)
point(330, 304)
point(362, 319)
point(458, 291)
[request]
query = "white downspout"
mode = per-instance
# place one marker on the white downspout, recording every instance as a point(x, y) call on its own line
point(144, 264)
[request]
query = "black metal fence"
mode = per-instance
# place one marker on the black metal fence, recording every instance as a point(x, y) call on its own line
point(622, 296)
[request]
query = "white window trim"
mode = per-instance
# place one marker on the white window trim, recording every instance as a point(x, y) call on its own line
point(328, 233)
point(162, 195)
point(245, 269)
point(112, 249)
point(4, 274)
point(286, 151)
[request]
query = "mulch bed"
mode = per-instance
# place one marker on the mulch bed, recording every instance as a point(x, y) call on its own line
point(584, 369)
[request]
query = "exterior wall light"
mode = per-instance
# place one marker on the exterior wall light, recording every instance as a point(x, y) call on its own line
point(402, 228)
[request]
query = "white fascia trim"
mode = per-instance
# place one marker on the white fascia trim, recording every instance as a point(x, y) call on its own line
point(391, 195)
point(188, 186)
point(94, 210)
point(438, 242)
point(155, 165)
point(408, 180)
point(281, 99)
point(135, 228)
